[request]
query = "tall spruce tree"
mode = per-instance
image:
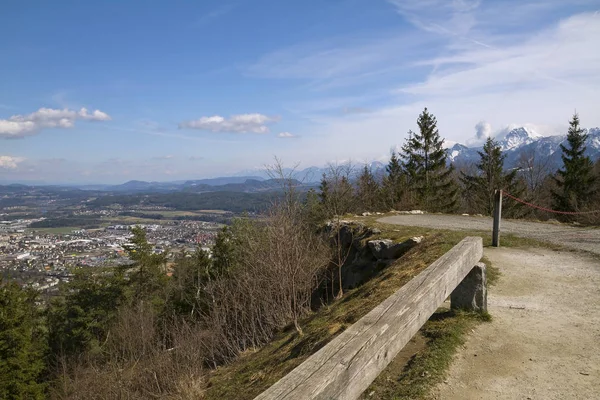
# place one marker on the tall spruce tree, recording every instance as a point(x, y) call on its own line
point(367, 190)
point(575, 180)
point(22, 344)
point(424, 160)
point(489, 177)
point(394, 182)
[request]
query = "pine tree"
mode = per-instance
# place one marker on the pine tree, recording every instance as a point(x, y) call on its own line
point(575, 180)
point(22, 344)
point(337, 193)
point(490, 177)
point(191, 275)
point(367, 190)
point(78, 319)
point(394, 182)
point(324, 189)
point(424, 160)
point(150, 278)
point(313, 209)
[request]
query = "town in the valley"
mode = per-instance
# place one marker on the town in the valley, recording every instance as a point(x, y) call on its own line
point(41, 258)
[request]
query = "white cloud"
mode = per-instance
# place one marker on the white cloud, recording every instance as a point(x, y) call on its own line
point(10, 162)
point(19, 126)
point(535, 79)
point(286, 135)
point(216, 13)
point(242, 123)
point(164, 158)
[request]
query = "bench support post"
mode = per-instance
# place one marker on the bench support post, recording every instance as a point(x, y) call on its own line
point(471, 293)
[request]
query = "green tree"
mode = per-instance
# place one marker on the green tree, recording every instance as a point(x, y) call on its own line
point(79, 319)
point(226, 252)
point(324, 189)
point(337, 193)
point(191, 274)
point(149, 277)
point(575, 180)
point(313, 209)
point(394, 182)
point(22, 344)
point(490, 176)
point(424, 160)
point(368, 190)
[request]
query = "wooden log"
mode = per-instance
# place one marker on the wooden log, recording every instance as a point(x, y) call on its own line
point(349, 363)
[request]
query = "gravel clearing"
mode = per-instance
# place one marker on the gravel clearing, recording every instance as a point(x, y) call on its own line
point(586, 239)
point(544, 339)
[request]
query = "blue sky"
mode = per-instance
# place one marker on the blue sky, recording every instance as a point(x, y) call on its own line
point(118, 90)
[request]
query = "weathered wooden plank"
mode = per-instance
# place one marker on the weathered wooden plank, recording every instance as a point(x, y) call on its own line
point(349, 363)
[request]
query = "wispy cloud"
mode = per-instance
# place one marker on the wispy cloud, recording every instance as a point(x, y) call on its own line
point(242, 123)
point(286, 135)
point(214, 14)
point(164, 158)
point(342, 62)
point(356, 110)
point(10, 162)
point(19, 126)
point(533, 76)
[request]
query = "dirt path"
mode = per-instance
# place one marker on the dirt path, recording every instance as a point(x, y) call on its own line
point(544, 340)
point(577, 238)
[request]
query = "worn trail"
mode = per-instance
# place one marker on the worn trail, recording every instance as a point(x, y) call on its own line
point(544, 340)
point(586, 239)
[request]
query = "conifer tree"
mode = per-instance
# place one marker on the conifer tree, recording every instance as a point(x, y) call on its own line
point(490, 176)
point(22, 344)
point(575, 180)
point(150, 278)
point(367, 190)
point(191, 275)
point(394, 182)
point(424, 160)
point(324, 189)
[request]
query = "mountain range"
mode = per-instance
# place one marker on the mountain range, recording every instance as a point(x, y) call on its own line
point(521, 144)
point(518, 145)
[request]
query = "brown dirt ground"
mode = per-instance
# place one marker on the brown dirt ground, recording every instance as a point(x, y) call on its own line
point(544, 340)
point(578, 238)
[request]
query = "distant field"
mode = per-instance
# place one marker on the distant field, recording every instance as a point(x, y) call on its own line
point(61, 230)
point(172, 213)
point(125, 220)
point(185, 213)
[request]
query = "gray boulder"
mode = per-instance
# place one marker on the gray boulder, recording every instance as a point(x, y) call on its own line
point(386, 249)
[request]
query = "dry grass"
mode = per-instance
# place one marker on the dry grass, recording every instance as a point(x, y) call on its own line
point(255, 371)
point(414, 377)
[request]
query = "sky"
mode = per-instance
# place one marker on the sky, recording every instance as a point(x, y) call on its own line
point(106, 92)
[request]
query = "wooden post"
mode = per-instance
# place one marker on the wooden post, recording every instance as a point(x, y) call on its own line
point(497, 217)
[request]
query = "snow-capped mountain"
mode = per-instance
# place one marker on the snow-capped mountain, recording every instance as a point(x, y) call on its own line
point(516, 144)
point(313, 174)
point(520, 143)
point(518, 137)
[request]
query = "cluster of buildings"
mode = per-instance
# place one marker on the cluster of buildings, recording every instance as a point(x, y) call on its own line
point(42, 261)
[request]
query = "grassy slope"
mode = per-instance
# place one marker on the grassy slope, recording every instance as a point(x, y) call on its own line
point(407, 377)
point(255, 371)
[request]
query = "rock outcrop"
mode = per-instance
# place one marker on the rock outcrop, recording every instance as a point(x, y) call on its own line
point(364, 257)
point(386, 249)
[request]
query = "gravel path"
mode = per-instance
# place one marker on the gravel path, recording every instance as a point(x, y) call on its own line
point(544, 339)
point(577, 238)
